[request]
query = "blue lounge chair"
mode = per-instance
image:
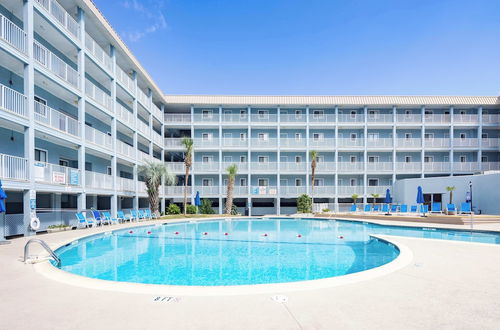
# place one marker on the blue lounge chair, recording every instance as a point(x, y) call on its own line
point(82, 221)
point(109, 218)
point(354, 208)
point(436, 208)
point(150, 214)
point(413, 209)
point(403, 209)
point(99, 219)
point(143, 215)
point(367, 208)
point(385, 208)
point(134, 215)
point(424, 208)
point(376, 208)
point(465, 208)
point(451, 209)
point(394, 208)
point(124, 217)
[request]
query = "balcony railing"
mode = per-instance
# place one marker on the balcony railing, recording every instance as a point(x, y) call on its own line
point(379, 118)
point(411, 118)
point(206, 118)
point(143, 98)
point(124, 149)
point(55, 119)
point(292, 143)
point(125, 80)
point(264, 190)
point(98, 53)
point(141, 187)
point(206, 167)
point(98, 95)
point(235, 142)
point(467, 142)
point(346, 142)
point(490, 166)
point(293, 118)
point(174, 143)
point(144, 157)
point(381, 190)
point(321, 143)
point(97, 137)
point(264, 143)
point(176, 167)
point(293, 167)
point(143, 128)
point(13, 35)
point(414, 167)
point(237, 190)
point(263, 118)
point(61, 15)
point(349, 190)
point(379, 142)
point(177, 118)
point(125, 184)
point(437, 167)
point(408, 143)
point(323, 190)
point(351, 118)
point(208, 190)
point(54, 64)
point(263, 166)
point(125, 116)
point(490, 142)
point(350, 167)
point(491, 118)
point(98, 180)
point(157, 138)
point(157, 112)
point(325, 166)
point(177, 190)
point(437, 143)
point(12, 101)
point(201, 143)
point(379, 167)
point(234, 118)
point(242, 166)
point(56, 174)
point(13, 168)
point(321, 118)
point(465, 166)
point(437, 118)
point(466, 119)
point(293, 191)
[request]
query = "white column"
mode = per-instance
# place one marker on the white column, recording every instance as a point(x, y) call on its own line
point(394, 110)
point(452, 144)
point(82, 199)
point(480, 138)
point(193, 192)
point(162, 187)
point(278, 162)
point(221, 168)
point(365, 155)
point(114, 196)
point(135, 203)
point(308, 191)
point(422, 152)
point(336, 160)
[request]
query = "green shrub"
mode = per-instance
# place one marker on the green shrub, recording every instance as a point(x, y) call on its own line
point(326, 210)
point(234, 210)
point(173, 209)
point(191, 209)
point(206, 207)
point(304, 204)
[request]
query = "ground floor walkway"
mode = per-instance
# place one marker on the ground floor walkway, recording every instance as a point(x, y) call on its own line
point(447, 285)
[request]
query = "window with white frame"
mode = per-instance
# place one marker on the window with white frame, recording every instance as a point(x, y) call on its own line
point(228, 159)
point(63, 162)
point(463, 112)
point(319, 182)
point(373, 136)
point(243, 159)
point(298, 136)
point(353, 114)
point(207, 159)
point(243, 114)
point(353, 182)
point(207, 114)
point(263, 159)
point(484, 159)
point(463, 136)
point(427, 113)
point(428, 159)
point(243, 136)
point(243, 182)
point(373, 114)
point(428, 136)
point(318, 114)
point(407, 159)
point(263, 136)
point(408, 113)
point(263, 182)
point(408, 136)
point(484, 135)
point(298, 182)
point(373, 159)
point(373, 182)
point(298, 159)
point(206, 136)
point(354, 136)
point(207, 182)
point(41, 155)
point(353, 159)
point(263, 114)
point(298, 114)
point(109, 171)
point(320, 159)
point(463, 158)
point(318, 136)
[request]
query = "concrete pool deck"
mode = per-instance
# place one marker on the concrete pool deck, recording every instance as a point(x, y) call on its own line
point(447, 284)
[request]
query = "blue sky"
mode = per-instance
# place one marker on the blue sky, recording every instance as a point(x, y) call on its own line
point(314, 47)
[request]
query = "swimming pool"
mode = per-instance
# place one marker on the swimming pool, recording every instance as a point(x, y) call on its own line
point(227, 252)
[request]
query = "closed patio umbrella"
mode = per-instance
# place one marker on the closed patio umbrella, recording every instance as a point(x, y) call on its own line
point(420, 197)
point(197, 200)
point(3, 196)
point(388, 200)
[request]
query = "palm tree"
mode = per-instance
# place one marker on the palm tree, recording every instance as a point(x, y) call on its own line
point(375, 196)
point(354, 198)
point(231, 175)
point(450, 189)
point(188, 162)
point(314, 163)
point(153, 172)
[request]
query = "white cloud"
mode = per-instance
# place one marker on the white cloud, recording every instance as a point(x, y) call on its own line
point(151, 11)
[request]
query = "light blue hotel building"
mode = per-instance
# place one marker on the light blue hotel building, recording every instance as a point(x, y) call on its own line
point(78, 114)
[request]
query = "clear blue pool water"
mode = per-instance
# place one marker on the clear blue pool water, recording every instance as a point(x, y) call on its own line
point(242, 251)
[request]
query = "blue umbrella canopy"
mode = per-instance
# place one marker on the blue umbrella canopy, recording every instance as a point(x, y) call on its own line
point(197, 199)
point(420, 195)
point(388, 198)
point(3, 196)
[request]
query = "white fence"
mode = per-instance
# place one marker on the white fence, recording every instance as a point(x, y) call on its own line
point(124, 149)
point(99, 54)
point(61, 15)
point(125, 80)
point(12, 101)
point(98, 138)
point(13, 168)
point(125, 184)
point(177, 191)
point(98, 95)
point(98, 180)
point(56, 174)
point(143, 98)
point(56, 119)
point(125, 116)
point(180, 118)
point(55, 65)
point(13, 34)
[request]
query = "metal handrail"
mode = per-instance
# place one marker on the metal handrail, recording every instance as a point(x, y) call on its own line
point(44, 245)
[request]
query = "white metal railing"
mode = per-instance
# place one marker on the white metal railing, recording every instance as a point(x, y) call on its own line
point(490, 142)
point(379, 167)
point(294, 191)
point(409, 118)
point(125, 184)
point(157, 138)
point(467, 142)
point(258, 118)
point(56, 119)
point(408, 143)
point(98, 180)
point(207, 190)
point(349, 190)
point(13, 35)
point(323, 190)
point(293, 118)
point(351, 118)
point(143, 98)
point(242, 166)
point(206, 167)
point(490, 166)
point(263, 166)
point(264, 190)
point(98, 53)
point(61, 15)
point(321, 118)
point(54, 64)
point(237, 190)
point(325, 166)
point(177, 118)
point(437, 143)
point(141, 187)
point(56, 174)
point(379, 142)
point(173, 143)
point(143, 157)
point(350, 167)
point(234, 118)
point(124, 149)
point(491, 118)
point(157, 112)
point(293, 167)
point(380, 118)
point(347, 142)
point(13, 101)
point(98, 95)
point(381, 190)
point(125, 80)
point(437, 118)
point(234, 142)
point(264, 143)
point(177, 191)
point(200, 143)
point(436, 166)
point(466, 166)
point(292, 143)
point(176, 167)
point(143, 128)
point(97, 137)
point(125, 116)
point(409, 166)
point(13, 168)
point(321, 143)
point(206, 117)
point(466, 119)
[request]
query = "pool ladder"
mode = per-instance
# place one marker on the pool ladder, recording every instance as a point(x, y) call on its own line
point(45, 246)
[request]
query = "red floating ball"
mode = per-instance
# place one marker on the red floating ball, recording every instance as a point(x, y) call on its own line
point(177, 233)
point(130, 232)
point(299, 235)
point(226, 234)
point(265, 235)
point(341, 237)
point(205, 233)
point(149, 232)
